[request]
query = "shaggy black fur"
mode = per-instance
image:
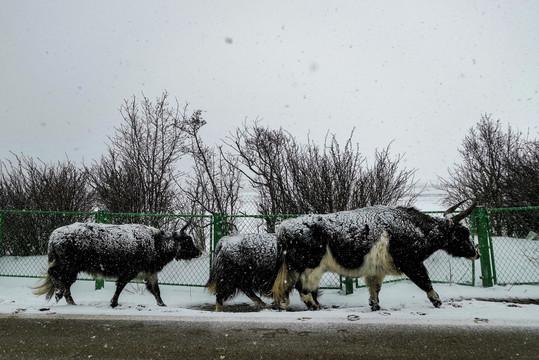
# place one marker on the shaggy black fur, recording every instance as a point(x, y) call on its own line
point(245, 263)
point(350, 235)
point(112, 251)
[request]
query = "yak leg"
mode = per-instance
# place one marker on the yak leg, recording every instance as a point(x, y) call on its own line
point(224, 291)
point(257, 300)
point(120, 284)
point(276, 305)
point(310, 280)
point(218, 305)
point(65, 288)
point(153, 287)
point(62, 279)
point(419, 275)
point(375, 285)
point(220, 298)
point(67, 295)
point(314, 293)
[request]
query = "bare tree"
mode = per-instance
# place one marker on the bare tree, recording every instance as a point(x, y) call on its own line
point(499, 169)
point(488, 153)
point(215, 182)
point(385, 182)
point(139, 172)
point(28, 184)
point(262, 157)
point(294, 178)
point(522, 179)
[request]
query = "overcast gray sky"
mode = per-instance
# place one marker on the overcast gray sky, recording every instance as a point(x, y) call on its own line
point(420, 73)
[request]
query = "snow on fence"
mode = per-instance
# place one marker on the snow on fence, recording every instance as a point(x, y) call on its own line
point(510, 250)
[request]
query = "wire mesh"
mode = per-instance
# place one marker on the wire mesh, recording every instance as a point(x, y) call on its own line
point(515, 245)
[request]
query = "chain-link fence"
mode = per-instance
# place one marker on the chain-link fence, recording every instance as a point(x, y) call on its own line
point(24, 237)
point(514, 242)
point(507, 238)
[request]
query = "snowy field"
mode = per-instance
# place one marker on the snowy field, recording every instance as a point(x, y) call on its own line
point(402, 303)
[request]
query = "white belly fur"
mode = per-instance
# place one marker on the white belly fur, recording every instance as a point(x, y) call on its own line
point(377, 262)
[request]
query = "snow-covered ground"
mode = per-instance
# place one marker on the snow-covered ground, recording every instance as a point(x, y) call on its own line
point(402, 302)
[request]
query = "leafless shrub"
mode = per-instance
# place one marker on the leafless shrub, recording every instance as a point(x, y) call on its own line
point(28, 184)
point(294, 178)
point(498, 169)
point(139, 175)
point(215, 181)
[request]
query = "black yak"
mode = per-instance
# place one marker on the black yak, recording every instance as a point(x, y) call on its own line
point(370, 242)
point(246, 263)
point(124, 252)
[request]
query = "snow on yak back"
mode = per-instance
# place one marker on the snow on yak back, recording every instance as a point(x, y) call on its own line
point(370, 242)
point(246, 263)
point(124, 252)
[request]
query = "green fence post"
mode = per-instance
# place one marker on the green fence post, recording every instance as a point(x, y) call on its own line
point(349, 282)
point(101, 217)
point(217, 228)
point(217, 234)
point(484, 247)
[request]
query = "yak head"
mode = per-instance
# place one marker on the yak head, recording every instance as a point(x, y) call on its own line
point(457, 236)
point(186, 249)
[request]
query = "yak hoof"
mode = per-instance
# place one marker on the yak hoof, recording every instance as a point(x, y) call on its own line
point(260, 304)
point(277, 306)
point(374, 305)
point(313, 307)
point(435, 299)
point(161, 304)
point(114, 304)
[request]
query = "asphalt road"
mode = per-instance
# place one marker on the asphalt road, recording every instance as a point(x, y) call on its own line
point(46, 337)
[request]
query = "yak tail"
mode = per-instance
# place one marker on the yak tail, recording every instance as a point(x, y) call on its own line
point(281, 284)
point(45, 286)
point(211, 285)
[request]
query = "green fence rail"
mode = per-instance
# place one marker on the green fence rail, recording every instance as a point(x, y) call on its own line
point(507, 239)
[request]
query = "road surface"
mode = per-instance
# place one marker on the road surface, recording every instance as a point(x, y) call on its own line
point(90, 337)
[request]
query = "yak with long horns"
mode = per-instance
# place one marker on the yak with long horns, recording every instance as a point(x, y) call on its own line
point(370, 242)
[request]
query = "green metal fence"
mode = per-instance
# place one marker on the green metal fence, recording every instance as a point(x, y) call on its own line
point(514, 243)
point(507, 239)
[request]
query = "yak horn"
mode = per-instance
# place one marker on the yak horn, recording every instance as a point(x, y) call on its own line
point(464, 213)
point(189, 222)
point(453, 208)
